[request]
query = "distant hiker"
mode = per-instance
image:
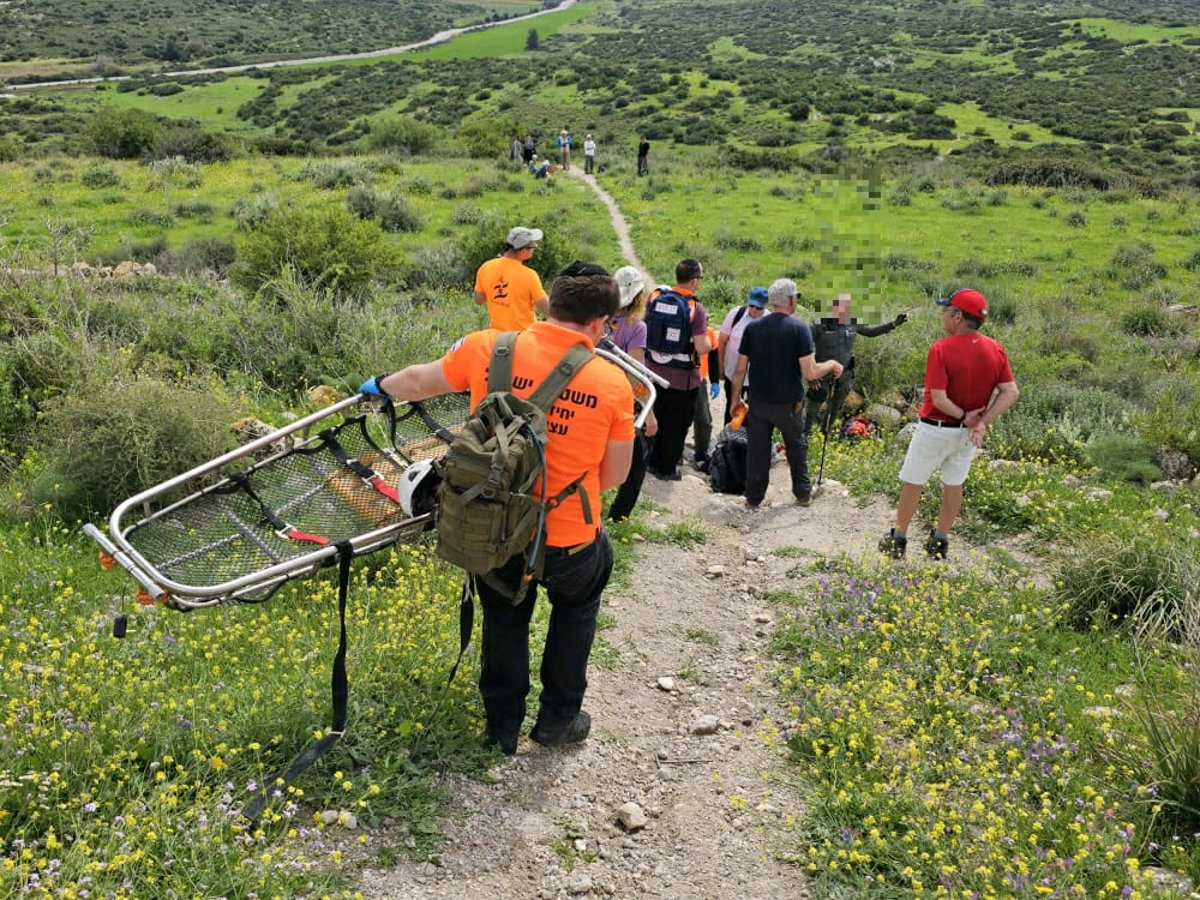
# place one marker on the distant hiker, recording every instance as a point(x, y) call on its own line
point(729, 339)
point(676, 338)
point(590, 441)
point(779, 349)
point(968, 385)
point(518, 150)
point(589, 154)
point(510, 289)
point(629, 334)
point(643, 157)
point(541, 168)
point(833, 338)
point(564, 149)
point(530, 147)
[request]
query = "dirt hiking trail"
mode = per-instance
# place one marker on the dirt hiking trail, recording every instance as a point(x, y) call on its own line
point(692, 629)
point(684, 720)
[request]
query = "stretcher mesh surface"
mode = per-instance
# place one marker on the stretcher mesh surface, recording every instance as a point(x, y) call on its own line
point(235, 528)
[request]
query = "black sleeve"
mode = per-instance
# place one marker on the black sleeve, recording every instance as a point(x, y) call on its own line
point(874, 330)
point(714, 366)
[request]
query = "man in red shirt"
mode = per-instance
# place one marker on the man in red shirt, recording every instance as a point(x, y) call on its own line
point(590, 429)
point(968, 385)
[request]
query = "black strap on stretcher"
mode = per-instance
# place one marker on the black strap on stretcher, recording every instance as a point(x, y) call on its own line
point(339, 689)
point(366, 473)
point(282, 528)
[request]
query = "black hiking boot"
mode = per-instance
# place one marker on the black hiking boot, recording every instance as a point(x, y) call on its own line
point(893, 545)
point(573, 732)
point(936, 547)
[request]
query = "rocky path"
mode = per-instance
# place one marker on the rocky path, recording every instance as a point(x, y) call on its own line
point(681, 791)
point(683, 728)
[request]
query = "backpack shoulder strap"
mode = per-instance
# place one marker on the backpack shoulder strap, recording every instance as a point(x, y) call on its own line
point(560, 376)
point(737, 316)
point(500, 368)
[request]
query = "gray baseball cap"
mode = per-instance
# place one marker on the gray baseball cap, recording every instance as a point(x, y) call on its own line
point(522, 237)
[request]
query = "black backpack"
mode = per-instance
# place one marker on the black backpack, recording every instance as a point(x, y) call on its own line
point(669, 330)
point(727, 462)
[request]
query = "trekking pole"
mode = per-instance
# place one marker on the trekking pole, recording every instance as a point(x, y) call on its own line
point(825, 430)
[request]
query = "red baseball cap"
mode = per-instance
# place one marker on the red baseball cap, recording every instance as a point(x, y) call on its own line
point(969, 301)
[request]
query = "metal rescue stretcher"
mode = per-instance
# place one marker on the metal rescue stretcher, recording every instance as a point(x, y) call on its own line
point(276, 509)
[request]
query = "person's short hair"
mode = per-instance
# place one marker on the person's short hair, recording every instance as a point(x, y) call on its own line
point(583, 292)
point(780, 292)
point(686, 270)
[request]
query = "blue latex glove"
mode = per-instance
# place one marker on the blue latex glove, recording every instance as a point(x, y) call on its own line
point(371, 387)
point(714, 389)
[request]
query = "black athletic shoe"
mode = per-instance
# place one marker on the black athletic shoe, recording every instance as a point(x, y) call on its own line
point(573, 732)
point(673, 475)
point(893, 545)
point(937, 547)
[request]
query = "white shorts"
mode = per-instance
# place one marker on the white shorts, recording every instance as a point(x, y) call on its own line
point(948, 449)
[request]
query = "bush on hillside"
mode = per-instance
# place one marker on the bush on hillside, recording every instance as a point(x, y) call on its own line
point(106, 441)
point(121, 133)
point(191, 143)
point(1139, 581)
point(1123, 457)
point(404, 134)
point(389, 208)
point(328, 248)
point(1149, 320)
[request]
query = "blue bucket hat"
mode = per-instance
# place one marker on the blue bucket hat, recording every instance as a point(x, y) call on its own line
point(758, 297)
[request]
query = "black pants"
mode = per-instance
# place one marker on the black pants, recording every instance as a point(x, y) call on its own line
point(674, 410)
point(631, 487)
point(702, 422)
point(574, 584)
point(643, 165)
point(819, 396)
point(762, 419)
point(589, 163)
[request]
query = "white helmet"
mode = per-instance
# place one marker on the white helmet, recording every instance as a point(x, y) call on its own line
point(418, 487)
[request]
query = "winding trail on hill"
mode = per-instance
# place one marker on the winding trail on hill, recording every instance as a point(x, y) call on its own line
point(440, 38)
point(689, 638)
point(615, 216)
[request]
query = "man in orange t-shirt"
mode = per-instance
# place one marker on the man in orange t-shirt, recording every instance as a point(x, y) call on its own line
point(590, 434)
point(512, 290)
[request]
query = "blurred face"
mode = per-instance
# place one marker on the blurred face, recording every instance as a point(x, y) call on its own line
point(841, 307)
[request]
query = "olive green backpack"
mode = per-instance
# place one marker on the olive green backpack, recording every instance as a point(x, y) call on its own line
point(492, 501)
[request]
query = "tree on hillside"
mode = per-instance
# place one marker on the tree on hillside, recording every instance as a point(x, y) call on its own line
point(121, 133)
point(531, 40)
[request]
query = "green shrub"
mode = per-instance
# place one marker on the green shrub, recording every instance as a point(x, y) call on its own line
point(1076, 219)
point(389, 207)
point(99, 178)
point(1123, 457)
point(110, 440)
point(121, 133)
point(1141, 581)
point(1149, 320)
point(1167, 751)
point(211, 254)
point(150, 217)
point(250, 212)
point(337, 174)
point(201, 210)
point(328, 248)
point(439, 266)
point(405, 135)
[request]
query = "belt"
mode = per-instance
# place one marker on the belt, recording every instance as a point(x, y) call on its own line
point(938, 423)
point(576, 549)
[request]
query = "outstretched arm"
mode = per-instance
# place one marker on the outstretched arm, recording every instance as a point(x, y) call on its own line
point(417, 382)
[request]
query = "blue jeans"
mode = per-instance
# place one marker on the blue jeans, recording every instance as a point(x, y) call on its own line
point(574, 583)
